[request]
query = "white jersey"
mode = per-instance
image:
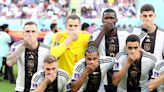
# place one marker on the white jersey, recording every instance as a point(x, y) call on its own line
point(147, 63)
point(157, 71)
point(63, 80)
point(106, 63)
point(122, 35)
point(159, 41)
point(43, 51)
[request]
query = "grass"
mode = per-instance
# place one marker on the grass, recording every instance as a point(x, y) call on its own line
point(5, 85)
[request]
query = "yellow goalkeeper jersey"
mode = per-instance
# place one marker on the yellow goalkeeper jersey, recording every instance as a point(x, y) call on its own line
point(68, 56)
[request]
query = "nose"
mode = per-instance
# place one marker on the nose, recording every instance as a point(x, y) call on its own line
point(148, 18)
point(50, 71)
point(73, 28)
point(30, 33)
point(132, 51)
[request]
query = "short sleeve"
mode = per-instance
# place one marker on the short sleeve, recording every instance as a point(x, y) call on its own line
point(34, 83)
point(78, 69)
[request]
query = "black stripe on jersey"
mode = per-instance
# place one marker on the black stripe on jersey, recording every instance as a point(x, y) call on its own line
point(142, 35)
point(158, 67)
point(44, 46)
point(37, 78)
point(120, 54)
point(17, 43)
point(150, 56)
point(80, 66)
point(106, 60)
point(63, 74)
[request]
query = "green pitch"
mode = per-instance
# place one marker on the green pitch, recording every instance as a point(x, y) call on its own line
point(5, 85)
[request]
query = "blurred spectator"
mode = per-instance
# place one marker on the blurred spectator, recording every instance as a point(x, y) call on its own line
point(85, 27)
point(5, 39)
point(92, 28)
point(48, 38)
point(53, 9)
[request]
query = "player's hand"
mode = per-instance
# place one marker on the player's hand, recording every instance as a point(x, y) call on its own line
point(153, 84)
point(108, 27)
point(131, 58)
point(27, 42)
point(50, 78)
point(73, 35)
point(91, 67)
point(148, 25)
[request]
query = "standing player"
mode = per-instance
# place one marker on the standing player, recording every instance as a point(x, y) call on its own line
point(150, 34)
point(69, 46)
point(29, 55)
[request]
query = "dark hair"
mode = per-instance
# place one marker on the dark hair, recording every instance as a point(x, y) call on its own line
point(30, 23)
point(5, 26)
point(50, 59)
point(1, 28)
point(132, 38)
point(108, 11)
point(52, 26)
point(73, 16)
point(147, 7)
point(84, 26)
point(91, 49)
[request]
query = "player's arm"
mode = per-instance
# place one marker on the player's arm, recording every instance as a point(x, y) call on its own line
point(42, 86)
point(117, 76)
point(155, 83)
point(15, 53)
point(76, 84)
point(97, 42)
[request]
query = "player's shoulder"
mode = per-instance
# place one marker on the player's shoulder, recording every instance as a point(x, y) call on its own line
point(120, 54)
point(17, 43)
point(80, 65)
point(150, 56)
point(63, 74)
point(60, 34)
point(84, 33)
point(106, 59)
point(38, 75)
point(44, 46)
point(97, 31)
point(159, 65)
point(160, 29)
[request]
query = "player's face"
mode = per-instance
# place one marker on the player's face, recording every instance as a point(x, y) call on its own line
point(92, 58)
point(109, 17)
point(133, 48)
point(50, 68)
point(73, 25)
point(30, 32)
point(148, 16)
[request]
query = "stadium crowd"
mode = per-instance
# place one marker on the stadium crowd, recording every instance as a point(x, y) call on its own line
point(53, 9)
